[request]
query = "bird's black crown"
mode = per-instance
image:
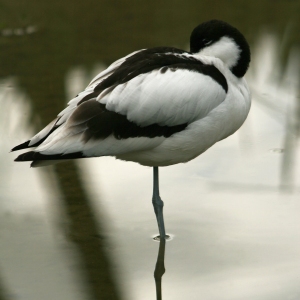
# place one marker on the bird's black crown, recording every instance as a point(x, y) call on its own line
point(212, 31)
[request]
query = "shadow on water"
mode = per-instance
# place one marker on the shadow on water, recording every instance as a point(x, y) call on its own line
point(85, 233)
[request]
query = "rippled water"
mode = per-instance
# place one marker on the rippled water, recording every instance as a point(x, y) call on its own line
point(84, 229)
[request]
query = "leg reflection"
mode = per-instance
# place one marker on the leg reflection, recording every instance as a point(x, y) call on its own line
point(160, 268)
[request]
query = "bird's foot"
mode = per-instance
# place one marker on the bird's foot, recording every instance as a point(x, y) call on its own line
point(157, 238)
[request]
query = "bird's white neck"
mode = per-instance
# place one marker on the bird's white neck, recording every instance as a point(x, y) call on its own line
point(225, 49)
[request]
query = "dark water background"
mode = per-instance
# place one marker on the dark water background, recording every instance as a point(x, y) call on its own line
point(83, 230)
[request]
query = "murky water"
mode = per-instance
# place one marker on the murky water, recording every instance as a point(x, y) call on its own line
point(83, 230)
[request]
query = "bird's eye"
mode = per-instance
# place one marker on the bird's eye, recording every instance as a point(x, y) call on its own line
point(207, 42)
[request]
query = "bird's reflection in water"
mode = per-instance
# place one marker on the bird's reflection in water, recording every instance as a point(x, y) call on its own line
point(160, 268)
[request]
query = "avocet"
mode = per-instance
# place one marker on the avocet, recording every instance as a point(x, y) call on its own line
point(157, 107)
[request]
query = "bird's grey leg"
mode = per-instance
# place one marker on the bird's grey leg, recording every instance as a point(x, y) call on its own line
point(158, 204)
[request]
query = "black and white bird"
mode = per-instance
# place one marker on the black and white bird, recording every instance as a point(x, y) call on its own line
point(157, 107)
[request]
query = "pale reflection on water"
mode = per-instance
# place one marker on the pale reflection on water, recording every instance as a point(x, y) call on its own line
point(234, 211)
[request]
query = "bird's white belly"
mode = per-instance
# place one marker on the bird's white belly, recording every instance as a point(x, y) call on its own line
point(179, 148)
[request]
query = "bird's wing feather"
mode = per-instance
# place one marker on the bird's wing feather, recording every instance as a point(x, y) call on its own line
point(98, 78)
point(169, 97)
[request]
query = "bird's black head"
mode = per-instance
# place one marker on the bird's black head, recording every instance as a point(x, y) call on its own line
point(219, 39)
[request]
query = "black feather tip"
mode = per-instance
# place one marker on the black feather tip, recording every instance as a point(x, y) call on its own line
point(21, 146)
point(34, 156)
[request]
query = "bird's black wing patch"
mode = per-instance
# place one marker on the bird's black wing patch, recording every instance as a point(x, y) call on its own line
point(99, 123)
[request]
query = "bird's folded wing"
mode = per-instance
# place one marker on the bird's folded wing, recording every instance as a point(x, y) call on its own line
point(167, 97)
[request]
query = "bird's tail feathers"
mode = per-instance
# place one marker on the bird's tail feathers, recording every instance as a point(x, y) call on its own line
point(38, 159)
point(38, 138)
